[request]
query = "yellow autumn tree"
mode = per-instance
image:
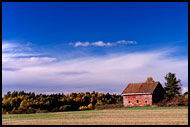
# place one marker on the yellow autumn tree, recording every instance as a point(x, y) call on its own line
point(90, 106)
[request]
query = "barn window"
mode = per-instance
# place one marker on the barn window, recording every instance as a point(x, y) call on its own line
point(137, 101)
point(129, 101)
point(146, 102)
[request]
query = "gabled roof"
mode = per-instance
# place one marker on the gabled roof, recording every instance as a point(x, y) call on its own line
point(144, 87)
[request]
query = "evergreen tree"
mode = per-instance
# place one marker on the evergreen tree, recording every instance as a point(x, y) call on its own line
point(173, 86)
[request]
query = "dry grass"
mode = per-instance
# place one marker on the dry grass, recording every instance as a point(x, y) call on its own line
point(122, 116)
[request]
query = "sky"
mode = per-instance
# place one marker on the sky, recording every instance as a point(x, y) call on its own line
point(56, 47)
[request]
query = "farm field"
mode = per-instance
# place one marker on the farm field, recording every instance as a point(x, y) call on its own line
point(119, 116)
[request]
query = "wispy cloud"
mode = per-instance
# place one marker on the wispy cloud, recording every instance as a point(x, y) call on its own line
point(82, 44)
point(102, 44)
point(10, 69)
point(72, 72)
point(6, 46)
point(108, 73)
point(16, 56)
point(12, 46)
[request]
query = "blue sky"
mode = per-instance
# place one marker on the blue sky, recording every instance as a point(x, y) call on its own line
point(79, 47)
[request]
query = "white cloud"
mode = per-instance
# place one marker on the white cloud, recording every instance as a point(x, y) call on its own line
point(101, 43)
point(98, 43)
point(110, 73)
point(126, 42)
point(12, 46)
point(82, 44)
point(184, 89)
point(16, 56)
point(25, 62)
point(6, 46)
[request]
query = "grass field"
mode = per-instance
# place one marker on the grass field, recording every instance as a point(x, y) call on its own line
point(120, 116)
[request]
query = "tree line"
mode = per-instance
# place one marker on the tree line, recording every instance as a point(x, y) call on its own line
point(22, 102)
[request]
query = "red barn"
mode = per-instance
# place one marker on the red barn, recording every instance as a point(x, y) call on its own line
point(142, 94)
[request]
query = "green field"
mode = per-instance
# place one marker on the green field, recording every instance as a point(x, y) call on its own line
point(120, 116)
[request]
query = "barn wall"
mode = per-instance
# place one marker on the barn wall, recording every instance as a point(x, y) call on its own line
point(131, 100)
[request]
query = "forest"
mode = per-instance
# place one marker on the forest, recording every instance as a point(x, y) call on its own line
point(22, 102)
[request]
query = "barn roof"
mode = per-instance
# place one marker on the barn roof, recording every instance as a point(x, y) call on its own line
point(143, 87)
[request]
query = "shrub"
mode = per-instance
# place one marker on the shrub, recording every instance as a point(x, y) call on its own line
point(109, 106)
point(3, 111)
point(11, 112)
point(55, 109)
point(181, 101)
point(99, 102)
point(38, 110)
point(83, 108)
point(67, 108)
point(186, 96)
point(173, 102)
point(61, 108)
point(28, 111)
point(90, 106)
point(18, 111)
point(41, 111)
